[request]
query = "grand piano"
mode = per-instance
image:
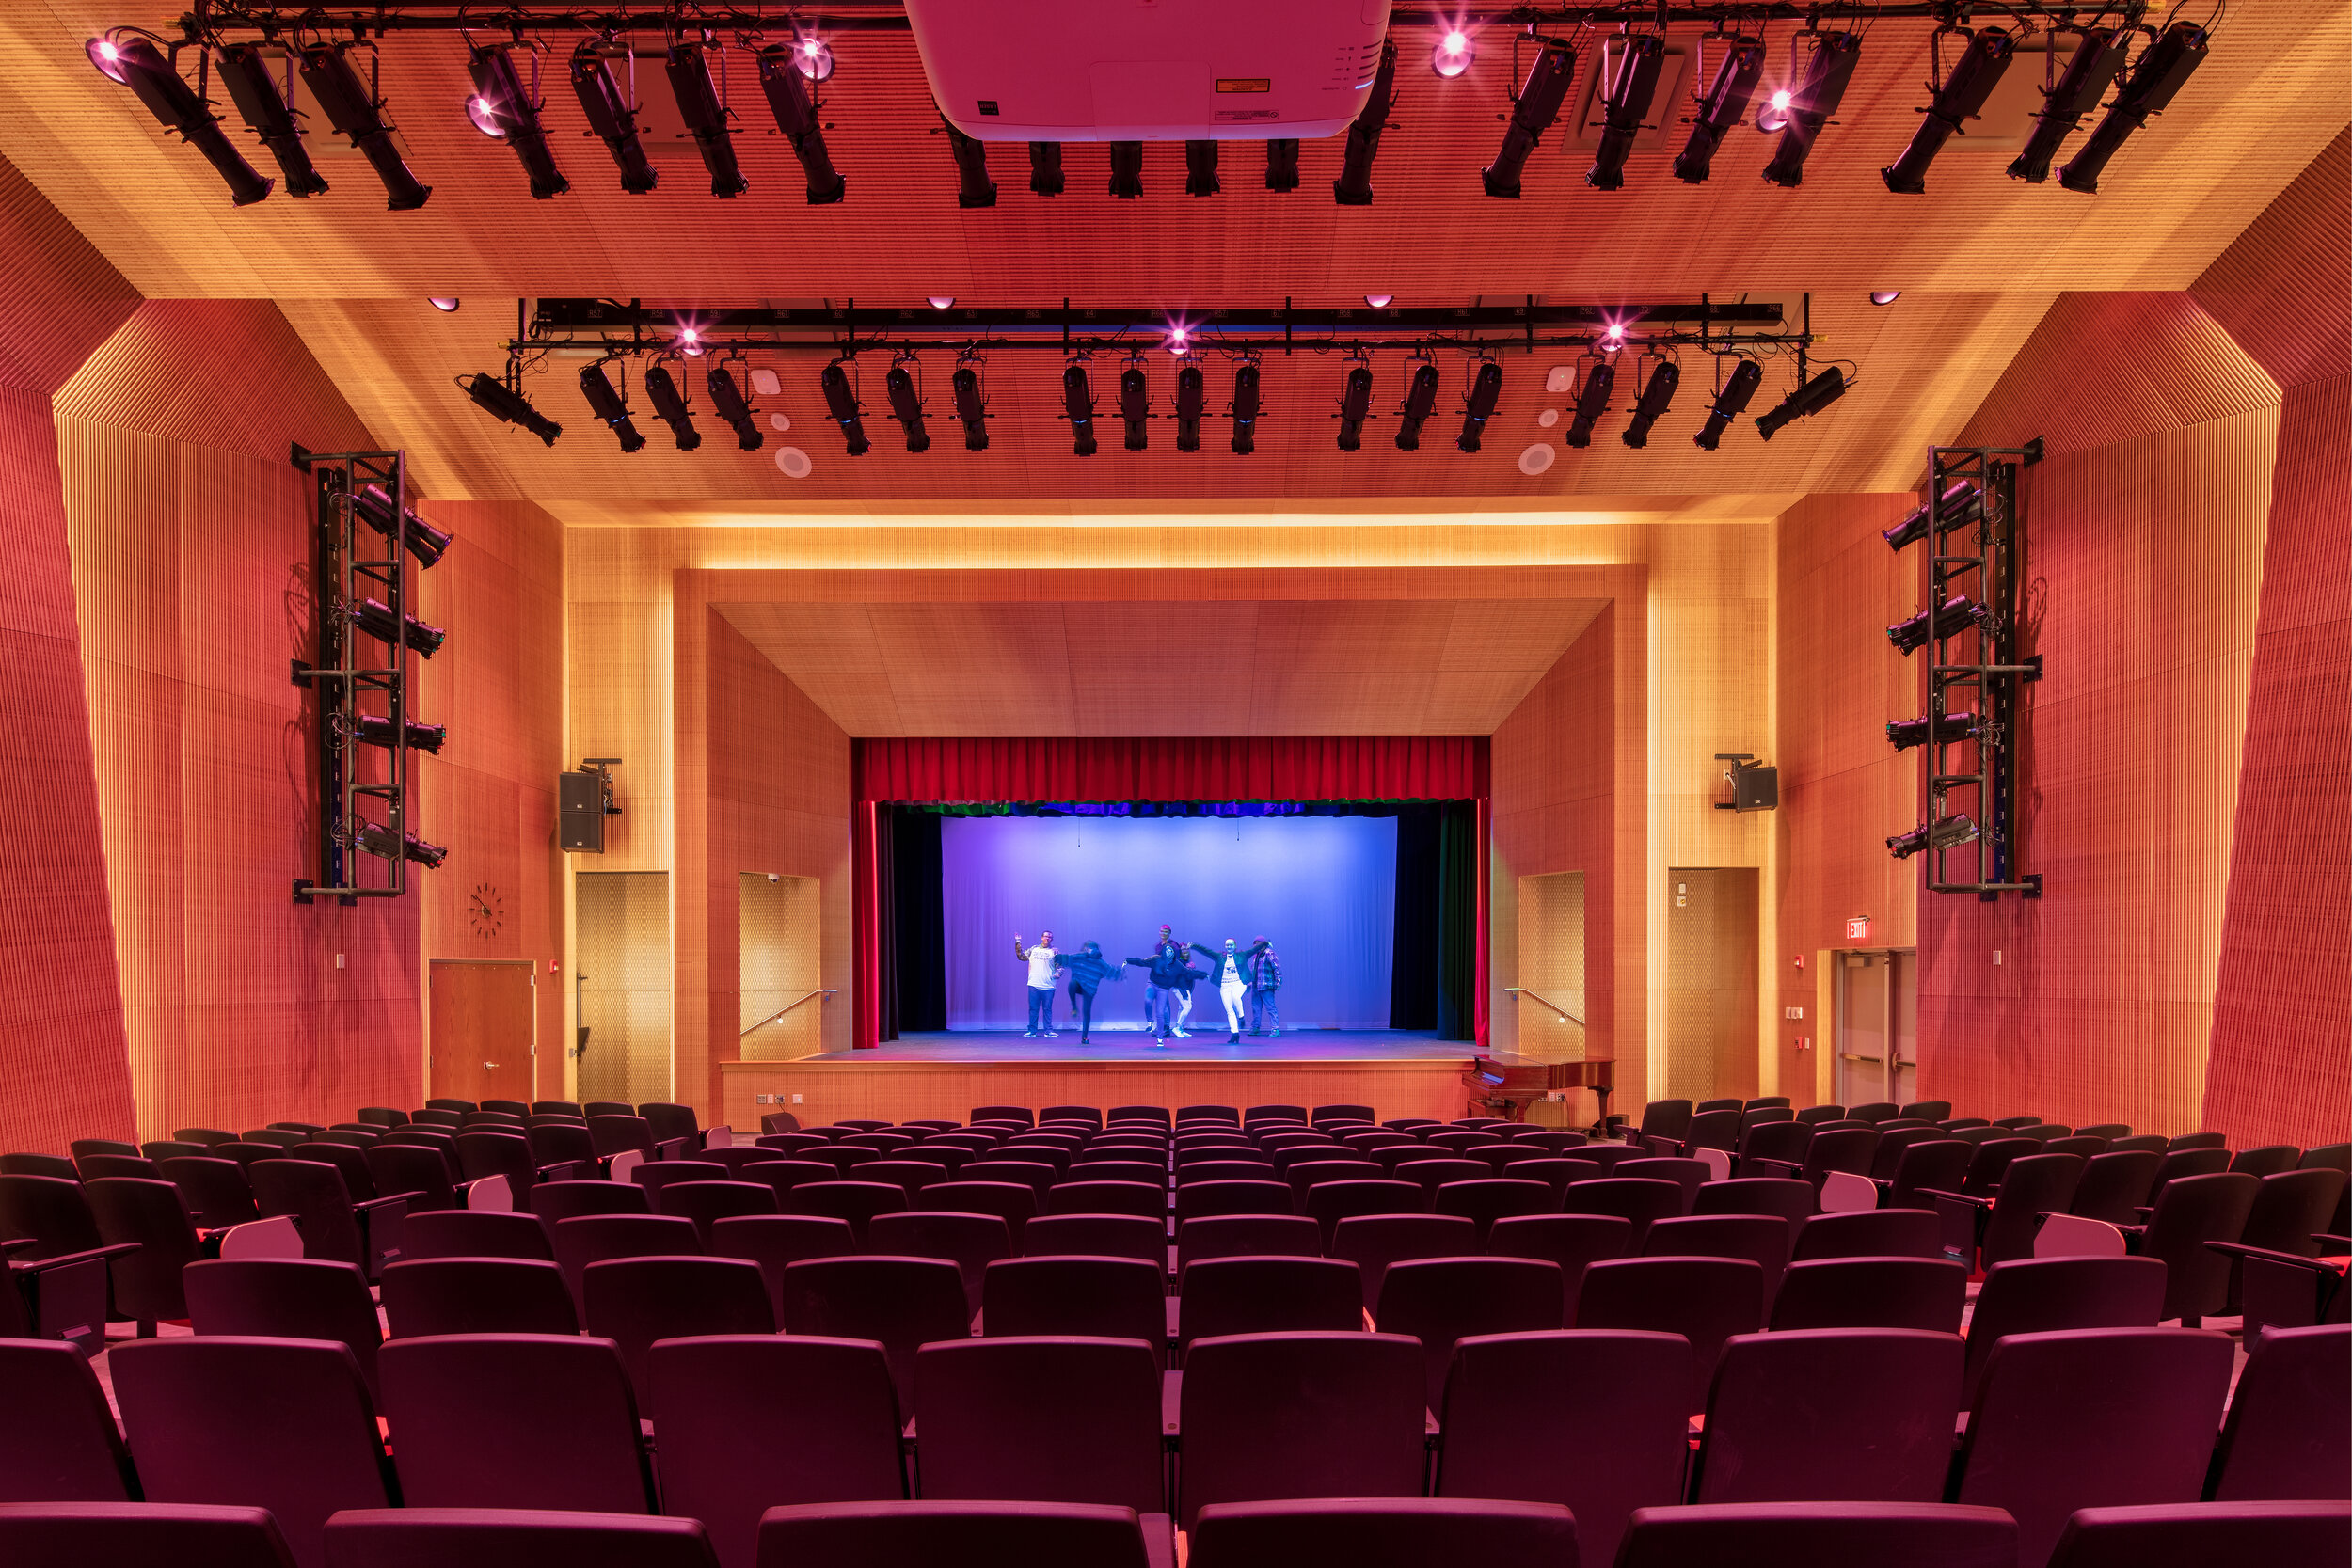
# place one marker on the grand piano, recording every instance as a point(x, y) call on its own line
point(1504, 1084)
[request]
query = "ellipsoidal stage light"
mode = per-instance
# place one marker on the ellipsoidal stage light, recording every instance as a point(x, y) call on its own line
point(786, 86)
point(375, 729)
point(495, 398)
point(1963, 502)
point(1353, 188)
point(1947, 833)
point(2089, 72)
point(1192, 389)
point(351, 106)
point(1827, 73)
point(1592, 402)
point(1811, 398)
point(1903, 734)
point(501, 107)
point(1135, 406)
point(1245, 409)
point(1281, 164)
point(1420, 399)
point(1627, 106)
point(1730, 402)
point(1949, 619)
point(1486, 388)
point(669, 406)
point(1045, 173)
point(1966, 85)
point(1658, 394)
point(245, 72)
point(373, 505)
point(1127, 169)
point(375, 618)
point(906, 405)
point(842, 404)
point(610, 117)
point(687, 66)
point(974, 188)
point(2163, 67)
point(1725, 106)
point(1201, 169)
point(383, 842)
point(1354, 406)
point(1546, 90)
point(1077, 400)
point(141, 66)
point(971, 407)
point(608, 405)
point(729, 399)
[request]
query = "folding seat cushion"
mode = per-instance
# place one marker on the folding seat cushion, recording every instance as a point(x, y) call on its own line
point(2190, 1535)
point(132, 1535)
point(1386, 1532)
point(927, 1534)
point(512, 1538)
point(1811, 1534)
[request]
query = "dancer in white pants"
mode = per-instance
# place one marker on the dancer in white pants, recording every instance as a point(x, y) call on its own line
point(1230, 969)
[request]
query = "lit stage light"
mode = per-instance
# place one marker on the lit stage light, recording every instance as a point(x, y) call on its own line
point(608, 405)
point(1452, 53)
point(813, 57)
point(906, 405)
point(1658, 394)
point(729, 399)
point(499, 401)
point(1485, 389)
point(1354, 405)
point(1903, 734)
point(352, 108)
point(1730, 402)
point(1626, 106)
point(501, 108)
point(1191, 400)
point(1077, 400)
point(1811, 398)
point(2089, 72)
point(610, 117)
point(245, 72)
point(130, 60)
point(1949, 619)
point(1353, 188)
point(1809, 108)
point(1724, 105)
point(1966, 85)
point(2163, 67)
point(1421, 400)
point(1546, 90)
point(1947, 833)
point(669, 406)
point(786, 85)
point(842, 404)
point(1244, 409)
point(1592, 402)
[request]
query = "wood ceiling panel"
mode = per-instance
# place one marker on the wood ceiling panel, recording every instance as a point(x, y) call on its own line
point(833, 639)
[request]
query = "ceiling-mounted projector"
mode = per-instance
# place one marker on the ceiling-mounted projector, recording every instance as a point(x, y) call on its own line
point(1148, 70)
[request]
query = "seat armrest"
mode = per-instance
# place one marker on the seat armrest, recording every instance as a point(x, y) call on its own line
point(1787, 1169)
point(2337, 1245)
point(371, 1205)
point(17, 1245)
point(66, 1260)
point(1969, 1198)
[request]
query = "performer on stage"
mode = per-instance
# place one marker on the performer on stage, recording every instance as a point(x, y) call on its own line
point(1168, 967)
point(1230, 970)
point(1040, 961)
point(1088, 969)
point(1265, 984)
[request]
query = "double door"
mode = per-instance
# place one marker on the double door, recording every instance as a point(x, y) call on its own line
point(1878, 1025)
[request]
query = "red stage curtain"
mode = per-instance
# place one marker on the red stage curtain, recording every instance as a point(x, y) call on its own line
point(1248, 768)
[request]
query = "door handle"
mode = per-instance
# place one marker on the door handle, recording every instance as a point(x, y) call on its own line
point(489, 1067)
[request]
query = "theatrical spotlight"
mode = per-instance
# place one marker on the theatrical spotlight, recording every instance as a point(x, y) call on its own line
point(1730, 402)
point(1592, 402)
point(1281, 164)
point(1811, 398)
point(499, 107)
point(1134, 406)
point(1420, 398)
point(906, 405)
point(1627, 106)
point(698, 105)
point(245, 71)
point(374, 729)
point(1725, 106)
point(1353, 188)
point(2089, 72)
point(841, 403)
point(1078, 400)
point(1952, 617)
point(1961, 97)
point(1354, 405)
point(354, 109)
point(1045, 175)
point(1811, 105)
point(382, 841)
point(1245, 410)
point(1452, 53)
point(1963, 503)
point(1485, 386)
point(974, 188)
point(610, 117)
point(1949, 833)
point(373, 505)
point(786, 86)
point(1191, 398)
point(138, 65)
point(375, 618)
point(1903, 734)
point(1539, 102)
point(1127, 169)
point(608, 405)
point(1657, 392)
point(669, 406)
point(2163, 67)
point(499, 401)
point(1201, 169)
point(971, 407)
point(729, 399)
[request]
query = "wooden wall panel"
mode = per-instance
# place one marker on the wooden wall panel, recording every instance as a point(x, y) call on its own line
point(1712, 929)
point(624, 951)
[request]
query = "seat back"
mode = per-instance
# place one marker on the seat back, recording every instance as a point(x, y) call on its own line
point(474, 1233)
point(622, 1133)
point(2039, 1295)
point(130, 1535)
point(1043, 1420)
point(1924, 1293)
point(149, 1215)
point(2180, 1535)
point(312, 1193)
point(2290, 1429)
point(1837, 1415)
point(636, 1301)
point(1013, 1202)
point(1484, 1202)
point(215, 1190)
point(1383, 1531)
point(1573, 1242)
point(418, 1170)
point(1706, 1300)
point(476, 1295)
point(1097, 1235)
point(1202, 1198)
point(2034, 1185)
point(600, 1238)
point(50, 1211)
point(1761, 1238)
point(2115, 1186)
point(1937, 1164)
point(1269, 1416)
point(515, 1421)
point(1440, 1301)
point(971, 1242)
point(670, 1122)
point(705, 1203)
point(1224, 1296)
point(553, 1202)
point(2191, 1211)
point(1792, 1200)
point(58, 1442)
point(287, 1298)
point(1799, 1535)
point(1634, 1198)
point(1245, 1236)
point(857, 1202)
point(1112, 1298)
point(902, 1302)
point(1869, 1233)
point(777, 1241)
point(500, 1538)
point(2289, 1210)
point(350, 1163)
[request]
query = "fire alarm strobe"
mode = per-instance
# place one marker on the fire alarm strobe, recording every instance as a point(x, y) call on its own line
point(1153, 70)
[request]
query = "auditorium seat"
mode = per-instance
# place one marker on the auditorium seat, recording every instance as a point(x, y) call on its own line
point(1097, 1235)
point(2000, 1226)
point(138, 1535)
point(1869, 1233)
point(1792, 1199)
point(636, 1301)
point(1113, 1298)
point(1013, 1202)
point(1761, 1238)
point(1637, 1199)
point(2289, 1432)
point(1043, 1420)
point(1484, 1202)
point(654, 1175)
point(1278, 1416)
point(856, 1201)
point(1572, 1242)
point(1830, 1415)
point(515, 1421)
point(1928, 1293)
point(595, 1237)
point(1146, 1199)
point(1329, 1203)
point(1036, 1175)
point(1685, 1172)
point(1886, 1155)
point(2190, 1212)
point(2115, 1185)
point(705, 1203)
point(474, 1233)
point(1706, 1300)
point(1440, 1301)
point(1245, 1236)
point(970, 1242)
point(58, 1441)
point(1156, 1115)
point(1937, 1164)
point(1202, 1199)
point(1003, 1112)
point(1399, 1533)
point(553, 1202)
point(2309, 1534)
point(476, 1295)
point(775, 1242)
point(1808, 1535)
point(902, 1302)
point(1225, 1296)
point(417, 1173)
point(287, 1298)
point(2037, 1295)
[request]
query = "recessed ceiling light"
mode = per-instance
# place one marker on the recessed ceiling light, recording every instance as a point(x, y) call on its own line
point(764, 382)
point(444, 302)
point(1452, 53)
point(1536, 459)
point(1548, 418)
point(794, 462)
point(1886, 296)
point(1560, 378)
point(779, 422)
point(1378, 302)
point(941, 302)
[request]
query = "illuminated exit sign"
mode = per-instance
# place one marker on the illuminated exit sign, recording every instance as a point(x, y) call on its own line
point(1858, 928)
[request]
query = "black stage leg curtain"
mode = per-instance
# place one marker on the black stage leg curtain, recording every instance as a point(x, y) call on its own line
point(1458, 854)
point(915, 996)
point(1412, 972)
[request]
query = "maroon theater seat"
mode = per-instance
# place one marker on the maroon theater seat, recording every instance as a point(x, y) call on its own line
point(1387, 1532)
point(971, 1242)
point(775, 1242)
point(1011, 1201)
point(58, 1442)
point(1147, 1199)
point(1442, 1300)
point(705, 1203)
point(1830, 1415)
point(476, 1295)
point(1246, 1236)
point(512, 1538)
point(902, 1302)
point(1926, 1293)
point(1814, 1535)
point(1706, 1300)
point(215, 1191)
point(1328, 1203)
point(1113, 1298)
point(2039, 1295)
point(1278, 1416)
point(598, 1238)
point(1047, 1419)
point(930, 1534)
point(1792, 1199)
point(1639, 1200)
point(1484, 1202)
point(1870, 1233)
point(474, 1233)
point(2308, 1534)
point(1224, 1296)
point(2289, 1433)
point(1373, 1242)
point(515, 1421)
point(139, 1535)
point(1097, 1235)
point(1574, 1241)
point(553, 1202)
point(636, 1301)
point(287, 1298)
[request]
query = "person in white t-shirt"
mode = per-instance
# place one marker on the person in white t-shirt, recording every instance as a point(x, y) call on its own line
point(1230, 970)
point(1041, 960)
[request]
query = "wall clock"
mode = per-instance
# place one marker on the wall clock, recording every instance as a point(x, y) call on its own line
point(486, 911)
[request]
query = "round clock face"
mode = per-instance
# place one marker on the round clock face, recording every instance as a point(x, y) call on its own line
point(486, 911)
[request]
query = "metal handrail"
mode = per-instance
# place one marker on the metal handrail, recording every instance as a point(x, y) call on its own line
point(785, 1008)
point(1565, 1016)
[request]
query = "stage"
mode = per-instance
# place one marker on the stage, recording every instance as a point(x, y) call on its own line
point(1398, 1072)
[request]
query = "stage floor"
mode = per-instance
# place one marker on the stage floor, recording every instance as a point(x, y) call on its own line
point(1134, 1045)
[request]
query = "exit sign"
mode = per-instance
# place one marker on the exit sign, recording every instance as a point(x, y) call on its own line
point(1858, 928)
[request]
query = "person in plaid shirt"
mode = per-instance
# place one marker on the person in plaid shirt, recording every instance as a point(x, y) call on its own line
point(1265, 984)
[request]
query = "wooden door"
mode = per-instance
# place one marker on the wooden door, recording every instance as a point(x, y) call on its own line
point(483, 1024)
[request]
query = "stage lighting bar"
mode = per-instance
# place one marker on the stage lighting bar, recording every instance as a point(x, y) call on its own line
point(2164, 67)
point(906, 405)
point(669, 407)
point(1077, 400)
point(1950, 728)
point(1811, 398)
point(1963, 503)
point(495, 398)
point(1730, 402)
point(689, 68)
point(127, 58)
point(971, 407)
point(2089, 72)
point(1244, 409)
point(1947, 833)
point(610, 117)
point(374, 729)
point(1592, 402)
point(1949, 619)
point(1134, 406)
point(1281, 164)
point(786, 86)
point(974, 188)
point(1045, 173)
point(1725, 106)
point(1966, 85)
point(842, 404)
point(1353, 188)
point(1201, 169)
point(1658, 394)
point(1354, 405)
point(1626, 105)
point(1485, 389)
point(245, 72)
point(1420, 399)
point(502, 108)
point(729, 399)
point(1191, 401)
point(373, 505)
point(352, 108)
point(1127, 169)
point(375, 618)
point(1828, 71)
point(1538, 106)
point(383, 842)
point(608, 404)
